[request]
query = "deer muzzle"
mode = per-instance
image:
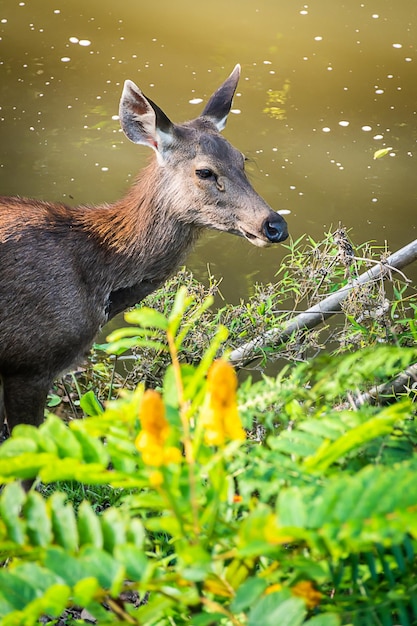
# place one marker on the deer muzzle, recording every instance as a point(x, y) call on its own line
point(275, 229)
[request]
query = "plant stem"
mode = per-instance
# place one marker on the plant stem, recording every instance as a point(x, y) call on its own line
point(188, 448)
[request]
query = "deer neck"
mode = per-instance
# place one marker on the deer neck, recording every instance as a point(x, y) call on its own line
point(140, 236)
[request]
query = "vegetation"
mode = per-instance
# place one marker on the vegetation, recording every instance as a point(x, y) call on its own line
point(191, 500)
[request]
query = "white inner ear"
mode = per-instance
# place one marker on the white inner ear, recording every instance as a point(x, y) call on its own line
point(220, 124)
point(164, 143)
point(165, 140)
point(159, 156)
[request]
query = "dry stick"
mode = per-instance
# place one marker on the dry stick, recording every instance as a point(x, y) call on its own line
point(385, 392)
point(320, 312)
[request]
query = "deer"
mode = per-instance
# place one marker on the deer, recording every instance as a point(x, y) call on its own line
point(66, 271)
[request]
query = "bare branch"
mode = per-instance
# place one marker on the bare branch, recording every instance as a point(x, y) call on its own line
point(318, 313)
point(386, 393)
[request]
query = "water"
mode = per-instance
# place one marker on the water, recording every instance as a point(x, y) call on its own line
point(324, 85)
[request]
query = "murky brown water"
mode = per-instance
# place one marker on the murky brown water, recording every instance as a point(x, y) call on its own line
point(324, 85)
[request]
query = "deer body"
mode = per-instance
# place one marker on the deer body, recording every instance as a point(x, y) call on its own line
point(65, 271)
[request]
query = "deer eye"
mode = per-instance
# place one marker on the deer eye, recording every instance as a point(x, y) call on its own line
point(205, 173)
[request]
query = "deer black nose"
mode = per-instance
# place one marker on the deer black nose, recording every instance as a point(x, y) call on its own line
point(276, 229)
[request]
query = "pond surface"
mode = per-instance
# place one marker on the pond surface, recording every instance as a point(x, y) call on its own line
point(324, 85)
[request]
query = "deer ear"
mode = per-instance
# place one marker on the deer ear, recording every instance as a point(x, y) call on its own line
point(142, 121)
point(218, 107)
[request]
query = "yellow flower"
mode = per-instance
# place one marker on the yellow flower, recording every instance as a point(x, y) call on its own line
point(151, 441)
point(220, 417)
point(152, 415)
point(156, 478)
point(305, 590)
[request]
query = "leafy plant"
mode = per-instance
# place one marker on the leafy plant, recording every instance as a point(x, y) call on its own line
point(373, 314)
point(309, 519)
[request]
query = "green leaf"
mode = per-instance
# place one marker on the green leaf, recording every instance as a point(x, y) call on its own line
point(53, 400)
point(146, 317)
point(89, 527)
point(18, 592)
point(128, 331)
point(73, 469)
point(163, 524)
point(25, 432)
point(40, 577)
point(16, 445)
point(194, 561)
point(5, 606)
point(39, 527)
point(26, 465)
point(121, 346)
point(11, 501)
point(147, 500)
point(157, 607)
point(85, 590)
point(382, 424)
point(133, 559)
point(90, 404)
point(113, 528)
point(63, 522)
point(93, 450)
point(186, 328)
point(104, 567)
point(67, 567)
point(181, 303)
point(277, 608)
point(136, 533)
point(65, 440)
point(248, 593)
point(206, 619)
point(90, 563)
point(170, 391)
point(292, 511)
point(53, 601)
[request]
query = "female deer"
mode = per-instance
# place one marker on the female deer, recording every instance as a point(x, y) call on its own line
point(65, 271)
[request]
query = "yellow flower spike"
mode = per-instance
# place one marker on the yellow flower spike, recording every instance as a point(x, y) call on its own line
point(222, 382)
point(150, 448)
point(305, 590)
point(155, 431)
point(156, 478)
point(152, 415)
point(172, 455)
point(220, 417)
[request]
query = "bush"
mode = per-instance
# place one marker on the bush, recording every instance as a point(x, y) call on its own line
point(308, 516)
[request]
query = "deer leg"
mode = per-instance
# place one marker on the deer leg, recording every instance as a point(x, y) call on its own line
point(3, 427)
point(24, 400)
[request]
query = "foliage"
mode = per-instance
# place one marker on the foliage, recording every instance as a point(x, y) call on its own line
point(374, 313)
point(310, 519)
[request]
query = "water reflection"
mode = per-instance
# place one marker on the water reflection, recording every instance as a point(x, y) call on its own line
point(324, 86)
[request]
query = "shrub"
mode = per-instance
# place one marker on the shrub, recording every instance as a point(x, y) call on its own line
point(312, 522)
